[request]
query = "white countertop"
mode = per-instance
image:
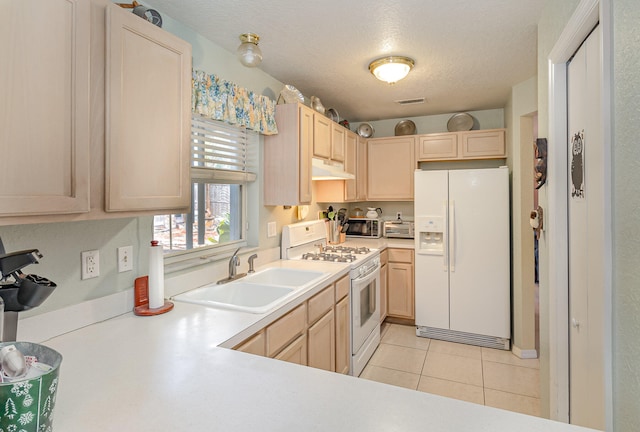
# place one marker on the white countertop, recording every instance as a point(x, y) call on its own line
point(169, 373)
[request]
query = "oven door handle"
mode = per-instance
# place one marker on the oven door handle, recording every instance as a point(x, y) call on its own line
point(372, 296)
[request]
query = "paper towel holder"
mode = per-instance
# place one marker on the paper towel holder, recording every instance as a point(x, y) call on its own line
point(141, 299)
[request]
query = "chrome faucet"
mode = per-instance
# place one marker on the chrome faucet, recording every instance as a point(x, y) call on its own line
point(234, 262)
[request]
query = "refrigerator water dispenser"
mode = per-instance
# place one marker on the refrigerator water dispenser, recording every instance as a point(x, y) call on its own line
point(430, 233)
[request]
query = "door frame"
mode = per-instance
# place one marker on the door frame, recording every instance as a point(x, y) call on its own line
point(587, 14)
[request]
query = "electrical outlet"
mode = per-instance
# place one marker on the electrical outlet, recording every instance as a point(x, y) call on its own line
point(398, 215)
point(90, 264)
point(125, 259)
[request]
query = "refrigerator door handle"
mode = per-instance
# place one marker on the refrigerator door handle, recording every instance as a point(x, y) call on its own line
point(445, 244)
point(452, 235)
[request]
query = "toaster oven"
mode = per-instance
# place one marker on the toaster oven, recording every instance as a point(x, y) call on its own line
point(398, 229)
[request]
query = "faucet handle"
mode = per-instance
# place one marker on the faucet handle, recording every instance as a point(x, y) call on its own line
point(251, 258)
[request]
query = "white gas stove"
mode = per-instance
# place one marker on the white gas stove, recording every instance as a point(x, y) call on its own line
point(308, 241)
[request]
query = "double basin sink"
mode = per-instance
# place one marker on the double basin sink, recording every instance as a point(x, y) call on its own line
point(258, 293)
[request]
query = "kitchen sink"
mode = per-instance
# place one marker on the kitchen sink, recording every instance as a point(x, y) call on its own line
point(284, 277)
point(257, 293)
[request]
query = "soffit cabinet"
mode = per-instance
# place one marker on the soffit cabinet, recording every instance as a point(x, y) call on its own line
point(68, 157)
point(44, 108)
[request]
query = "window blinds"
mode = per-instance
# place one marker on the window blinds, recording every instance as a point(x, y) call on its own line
point(222, 153)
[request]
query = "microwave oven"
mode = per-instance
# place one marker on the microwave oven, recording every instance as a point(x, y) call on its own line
point(365, 227)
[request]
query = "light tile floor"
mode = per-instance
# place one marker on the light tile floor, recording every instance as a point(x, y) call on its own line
point(485, 376)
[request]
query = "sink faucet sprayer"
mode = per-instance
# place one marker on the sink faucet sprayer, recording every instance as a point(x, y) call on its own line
point(251, 258)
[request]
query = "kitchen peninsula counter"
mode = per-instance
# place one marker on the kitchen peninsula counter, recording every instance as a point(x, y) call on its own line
point(169, 373)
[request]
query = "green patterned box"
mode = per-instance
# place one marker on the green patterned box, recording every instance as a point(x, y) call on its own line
point(27, 405)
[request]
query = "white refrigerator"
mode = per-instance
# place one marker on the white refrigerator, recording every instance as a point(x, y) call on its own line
point(462, 260)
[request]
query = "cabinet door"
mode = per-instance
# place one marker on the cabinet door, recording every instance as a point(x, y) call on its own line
point(390, 165)
point(383, 291)
point(338, 134)
point(437, 146)
point(483, 144)
point(44, 108)
point(306, 146)
point(321, 343)
point(400, 290)
point(361, 170)
point(286, 329)
point(350, 165)
point(254, 345)
point(291, 147)
point(148, 116)
point(343, 352)
point(321, 136)
point(295, 352)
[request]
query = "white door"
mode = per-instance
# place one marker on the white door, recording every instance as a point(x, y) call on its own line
point(479, 266)
point(431, 272)
point(586, 235)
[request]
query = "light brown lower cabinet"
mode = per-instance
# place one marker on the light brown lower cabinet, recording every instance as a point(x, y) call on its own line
point(342, 336)
point(254, 345)
point(400, 300)
point(295, 352)
point(316, 333)
point(321, 347)
point(384, 279)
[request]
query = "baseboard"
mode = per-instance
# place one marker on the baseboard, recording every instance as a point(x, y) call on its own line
point(524, 354)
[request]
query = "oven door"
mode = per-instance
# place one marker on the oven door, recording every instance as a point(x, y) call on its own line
point(365, 307)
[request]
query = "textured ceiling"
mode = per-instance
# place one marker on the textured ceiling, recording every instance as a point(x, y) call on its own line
point(468, 53)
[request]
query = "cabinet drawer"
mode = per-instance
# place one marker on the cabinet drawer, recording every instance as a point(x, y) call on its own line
point(486, 144)
point(296, 352)
point(254, 345)
point(342, 288)
point(437, 146)
point(384, 257)
point(401, 255)
point(320, 304)
point(285, 329)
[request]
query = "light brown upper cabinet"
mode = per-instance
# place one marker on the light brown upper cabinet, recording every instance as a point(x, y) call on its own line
point(390, 165)
point(350, 165)
point(322, 126)
point(148, 115)
point(338, 137)
point(361, 169)
point(44, 109)
point(479, 144)
point(287, 157)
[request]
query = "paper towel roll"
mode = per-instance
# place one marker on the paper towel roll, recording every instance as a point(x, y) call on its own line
point(156, 276)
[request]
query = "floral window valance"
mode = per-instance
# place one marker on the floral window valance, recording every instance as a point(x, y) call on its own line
point(219, 99)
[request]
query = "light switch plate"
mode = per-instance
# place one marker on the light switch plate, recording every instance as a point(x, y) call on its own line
point(271, 229)
point(125, 259)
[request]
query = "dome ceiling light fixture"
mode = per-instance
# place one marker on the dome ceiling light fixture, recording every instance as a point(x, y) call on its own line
point(249, 53)
point(391, 69)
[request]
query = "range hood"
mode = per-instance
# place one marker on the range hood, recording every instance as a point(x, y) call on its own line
point(321, 170)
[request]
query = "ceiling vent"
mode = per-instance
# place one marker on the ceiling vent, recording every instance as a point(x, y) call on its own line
point(410, 101)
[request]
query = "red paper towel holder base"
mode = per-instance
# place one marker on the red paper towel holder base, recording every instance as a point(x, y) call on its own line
point(141, 299)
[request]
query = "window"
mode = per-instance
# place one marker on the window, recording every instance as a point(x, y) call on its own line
point(223, 157)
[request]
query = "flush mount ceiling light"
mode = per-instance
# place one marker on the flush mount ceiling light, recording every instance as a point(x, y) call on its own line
point(391, 69)
point(248, 52)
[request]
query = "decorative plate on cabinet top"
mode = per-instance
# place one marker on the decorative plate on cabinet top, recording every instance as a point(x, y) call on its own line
point(405, 127)
point(365, 130)
point(290, 94)
point(333, 115)
point(460, 122)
